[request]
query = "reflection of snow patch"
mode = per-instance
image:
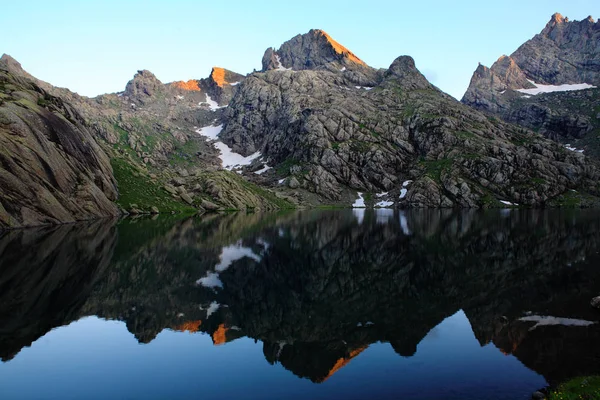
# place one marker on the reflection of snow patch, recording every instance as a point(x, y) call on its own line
point(229, 254)
point(384, 215)
point(211, 280)
point(546, 321)
point(539, 88)
point(404, 224)
point(360, 202)
point(359, 213)
point(214, 306)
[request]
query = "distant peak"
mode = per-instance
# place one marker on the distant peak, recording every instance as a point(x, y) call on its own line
point(558, 18)
point(218, 75)
point(339, 49)
point(191, 85)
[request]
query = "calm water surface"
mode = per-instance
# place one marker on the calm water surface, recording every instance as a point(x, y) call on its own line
point(352, 304)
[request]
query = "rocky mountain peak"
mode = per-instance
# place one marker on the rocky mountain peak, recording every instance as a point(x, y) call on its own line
point(143, 85)
point(221, 76)
point(10, 63)
point(404, 70)
point(309, 51)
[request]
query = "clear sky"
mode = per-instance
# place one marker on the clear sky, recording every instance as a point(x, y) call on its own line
point(95, 47)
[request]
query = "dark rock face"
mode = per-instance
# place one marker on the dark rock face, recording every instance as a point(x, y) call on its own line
point(564, 52)
point(143, 85)
point(331, 134)
point(51, 168)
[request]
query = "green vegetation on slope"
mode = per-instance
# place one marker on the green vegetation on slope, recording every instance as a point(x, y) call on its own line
point(586, 387)
point(136, 188)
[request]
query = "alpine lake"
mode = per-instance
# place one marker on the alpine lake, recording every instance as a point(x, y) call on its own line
point(313, 304)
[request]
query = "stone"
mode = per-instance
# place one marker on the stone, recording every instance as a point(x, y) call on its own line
point(170, 189)
point(595, 302)
point(187, 198)
point(538, 396)
point(208, 205)
point(178, 181)
point(154, 210)
point(293, 183)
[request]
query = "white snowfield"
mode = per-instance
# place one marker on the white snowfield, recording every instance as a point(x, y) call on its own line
point(404, 189)
point(554, 88)
point(360, 202)
point(568, 147)
point(234, 83)
point(279, 66)
point(214, 106)
point(547, 320)
point(229, 158)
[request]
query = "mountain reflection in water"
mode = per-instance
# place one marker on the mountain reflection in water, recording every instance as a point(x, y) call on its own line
point(320, 292)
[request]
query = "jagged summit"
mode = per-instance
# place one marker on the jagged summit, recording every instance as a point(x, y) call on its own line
point(144, 84)
point(309, 51)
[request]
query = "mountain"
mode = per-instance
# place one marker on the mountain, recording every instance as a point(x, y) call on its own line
point(399, 140)
point(549, 84)
point(51, 168)
point(315, 126)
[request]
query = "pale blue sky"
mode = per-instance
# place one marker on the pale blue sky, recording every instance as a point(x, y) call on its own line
point(95, 47)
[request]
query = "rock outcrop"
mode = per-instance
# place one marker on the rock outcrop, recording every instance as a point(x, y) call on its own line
point(563, 53)
point(51, 168)
point(329, 134)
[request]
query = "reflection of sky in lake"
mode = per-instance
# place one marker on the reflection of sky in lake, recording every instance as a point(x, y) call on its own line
point(98, 359)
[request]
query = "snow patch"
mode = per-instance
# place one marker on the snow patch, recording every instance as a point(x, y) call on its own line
point(384, 204)
point(508, 203)
point(343, 69)
point(381, 194)
point(279, 66)
point(229, 159)
point(539, 88)
point(213, 105)
point(364, 87)
point(262, 170)
point(547, 321)
point(406, 183)
point(404, 191)
point(526, 97)
point(281, 181)
point(234, 83)
point(360, 202)
point(568, 147)
point(179, 97)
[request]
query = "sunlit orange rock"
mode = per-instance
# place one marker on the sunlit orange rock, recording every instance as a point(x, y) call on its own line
point(189, 326)
point(192, 85)
point(341, 49)
point(218, 336)
point(342, 362)
point(218, 75)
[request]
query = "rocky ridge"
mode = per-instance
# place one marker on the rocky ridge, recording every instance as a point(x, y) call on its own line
point(564, 53)
point(51, 168)
point(326, 134)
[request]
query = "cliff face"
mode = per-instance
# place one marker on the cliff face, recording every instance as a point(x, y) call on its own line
point(323, 132)
point(548, 84)
point(51, 168)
